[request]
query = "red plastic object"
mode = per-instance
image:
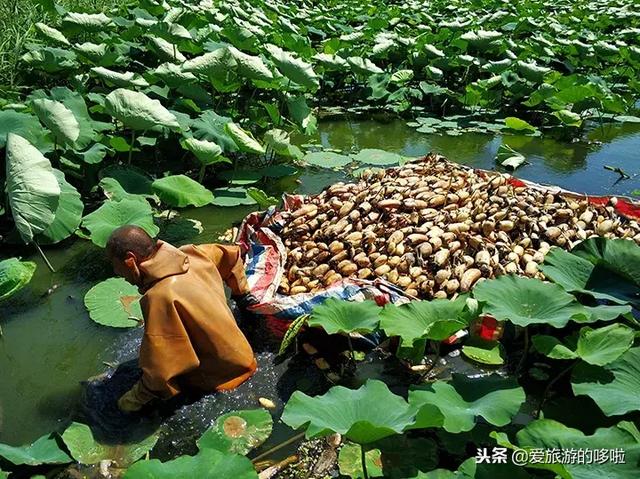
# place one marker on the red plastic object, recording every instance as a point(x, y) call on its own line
point(489, 328)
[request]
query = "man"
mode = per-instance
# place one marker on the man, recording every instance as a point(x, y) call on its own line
point(191, 340)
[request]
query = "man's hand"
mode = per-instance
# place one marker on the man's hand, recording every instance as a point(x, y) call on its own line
point(245, 301)
point(130, 402)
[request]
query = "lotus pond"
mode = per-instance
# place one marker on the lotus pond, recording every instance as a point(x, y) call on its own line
point(182, 117)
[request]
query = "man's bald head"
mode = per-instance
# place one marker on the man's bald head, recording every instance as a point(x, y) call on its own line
point(130, 239)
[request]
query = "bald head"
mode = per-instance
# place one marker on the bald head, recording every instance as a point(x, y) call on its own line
point(130, 239)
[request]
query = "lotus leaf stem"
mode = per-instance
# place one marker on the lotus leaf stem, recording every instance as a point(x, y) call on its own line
point(365, 474)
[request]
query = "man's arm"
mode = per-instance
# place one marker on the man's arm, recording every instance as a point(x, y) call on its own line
point(166, 353)
point(230, 266)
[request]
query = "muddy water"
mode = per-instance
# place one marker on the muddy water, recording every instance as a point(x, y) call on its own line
point(50, 346)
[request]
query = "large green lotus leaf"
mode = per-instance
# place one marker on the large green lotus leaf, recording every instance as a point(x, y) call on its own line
point(87, 21)
point(437, 319)
point(240, 177)
point(595, 346)
point(44, 450)
point(302, 114)
point(211, 126)
point(619, 256)
point(51, 59)
point(340, 316)
point(461, 400)
point(363, 66)
point(238, 432)
point(14, 275)
point(331, 62)
point(52, 34)
point(261, 198)
point(531, 71)
point(364, 415)
point(245, 141)
point(180, 191)
point(31, 186)
point(25, 125)
point(251, 66)
point(132, 180)
point(59, 119)
point(126, 79)
point(568, 117)
point(327, 159)
point(280, 142)
point(484, 352)
point(113, 214)
point(68, 213)
point(579, 275)
point(295, 69)
point(516, 124)
point(86, 450)
point(467, 470)
point(525, 301)
point(95, 154)
point(75, 102)
point(207, 464)
point(482, 39)
point(92, 51)
point(166, 51)
point(136, 110)
point(173, 75)
point(373, 156)
point(215, 64)
point(547, 434)
point(207, 152)
point(115, 303)
point(614, 387)
point(232, 196)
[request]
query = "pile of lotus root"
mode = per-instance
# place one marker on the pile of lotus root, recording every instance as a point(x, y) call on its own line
point(434, 228)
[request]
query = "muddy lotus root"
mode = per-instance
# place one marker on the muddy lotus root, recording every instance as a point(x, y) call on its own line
point(434, 229)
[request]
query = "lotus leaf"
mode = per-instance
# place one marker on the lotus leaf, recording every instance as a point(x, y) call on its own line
point(205, 151)
point(180, 191)
point(51, 59)
point(136, 110)
point(211, 126)
point(87, 21)
point(245, 141)
point(14, 275)
point(295, 69)
point(25, 125)
point(31, 186)
point(59, 119)
point(238, 432)
point(484, 352)
point(372, 156)
point(508, 157)
point(127, 79)
point(232, 196)
point(280, 142)
point(350, 462)
point(251, 66)
point(132, 180)
point(83, 447)
point(363, 66)
point(52, 34)
point(595, 346)
point(525, 301)
point(340, 316)
point(173, 75)
point(113, 214)
point(364, 415)
point(166, 50)
point(568, 117)
point(327, 159)
point(44, 450)
point(301, 114)
point(494, 398)
point(115, 303)
point(547, 434)
point(619, 256)
point(261, 198)
point(207, 464)
point(68, 213)
point(614, 387)
point(517, 124)
point(437, 319)
point(214, 64)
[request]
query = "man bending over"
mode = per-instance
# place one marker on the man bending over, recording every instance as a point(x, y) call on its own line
point(191, 340)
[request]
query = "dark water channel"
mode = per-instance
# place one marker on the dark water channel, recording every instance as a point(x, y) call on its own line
point(50, 345)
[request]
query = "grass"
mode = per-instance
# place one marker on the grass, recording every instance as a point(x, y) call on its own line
point(17, 18)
